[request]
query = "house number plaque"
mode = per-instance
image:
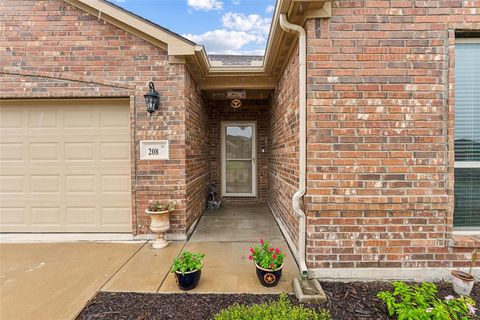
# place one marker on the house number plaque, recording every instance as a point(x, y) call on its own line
point(154, 150)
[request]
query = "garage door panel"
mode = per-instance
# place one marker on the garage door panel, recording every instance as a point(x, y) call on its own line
point(12, 184)
point(112, 183)
point(114, 151)
point(45, 151)
point(65, 166)
point(13, 151)
point(40, 184)
point(80, 183)
point(81, 216)
point(80, 118)
point(79, 151)
point(48, 216)
point(113, 216)
point(43, 118)
point(11, 119)
point(12, 216)
point(110, 119)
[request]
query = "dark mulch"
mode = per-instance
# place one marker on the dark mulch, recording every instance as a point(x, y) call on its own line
point(346, 301)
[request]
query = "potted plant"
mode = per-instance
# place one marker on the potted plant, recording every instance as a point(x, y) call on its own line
point(268, 263)
point(159, 213)
point(187, 269)
point(463, 281)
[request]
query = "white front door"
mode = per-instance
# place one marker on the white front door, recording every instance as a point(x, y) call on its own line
point(239, 170)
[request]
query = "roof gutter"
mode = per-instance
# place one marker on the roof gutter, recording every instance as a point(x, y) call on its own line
point(302, 96)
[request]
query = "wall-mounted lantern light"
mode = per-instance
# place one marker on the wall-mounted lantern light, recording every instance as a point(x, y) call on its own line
point(152, 99)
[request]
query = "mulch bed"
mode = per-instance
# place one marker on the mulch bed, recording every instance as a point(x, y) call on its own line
point(346, 301)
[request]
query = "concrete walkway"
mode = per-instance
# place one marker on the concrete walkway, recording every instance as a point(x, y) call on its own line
point(225, 236)
point(55, 280)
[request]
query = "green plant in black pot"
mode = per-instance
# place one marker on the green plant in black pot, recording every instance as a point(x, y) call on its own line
point(187, 269)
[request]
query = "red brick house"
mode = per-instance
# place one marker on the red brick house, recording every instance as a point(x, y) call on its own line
point(360, 128)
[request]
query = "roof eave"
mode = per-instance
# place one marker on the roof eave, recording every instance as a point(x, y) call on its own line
point(182, 50)
point(153, 33)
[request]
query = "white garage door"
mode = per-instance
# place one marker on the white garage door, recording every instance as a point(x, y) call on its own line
point(65, 166)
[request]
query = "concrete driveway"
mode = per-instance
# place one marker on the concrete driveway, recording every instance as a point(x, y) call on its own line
point(55, 280)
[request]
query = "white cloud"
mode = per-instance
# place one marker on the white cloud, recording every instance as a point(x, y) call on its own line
point(270, 9)
point(241, 34)
point(236, 2)
point(252, 23)
point(223, 41)
point(205, 5)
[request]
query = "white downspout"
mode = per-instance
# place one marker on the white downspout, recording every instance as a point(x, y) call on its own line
point(302, 96)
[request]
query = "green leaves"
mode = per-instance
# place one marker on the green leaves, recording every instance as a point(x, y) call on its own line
point(157, 206)
point(187, 262)
point(413, 302)
point(277, 310)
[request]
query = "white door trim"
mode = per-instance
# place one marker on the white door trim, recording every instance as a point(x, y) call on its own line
point(223, 125)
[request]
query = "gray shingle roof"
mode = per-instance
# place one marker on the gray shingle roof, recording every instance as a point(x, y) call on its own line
point(235, 60)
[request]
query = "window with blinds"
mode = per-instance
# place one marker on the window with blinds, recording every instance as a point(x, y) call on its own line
point(467, 133)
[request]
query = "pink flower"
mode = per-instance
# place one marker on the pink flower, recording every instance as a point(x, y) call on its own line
point(261, 241)
point(271, 249)
point(277, 251)
point(471, 309)
point(250, 257)
point(271, 266)
point(252, 250)
point(274, 256)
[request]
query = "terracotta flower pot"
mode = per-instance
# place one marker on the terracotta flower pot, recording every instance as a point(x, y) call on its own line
point(268, 277)
point(189, 280)
point(159, 224)
point(462, 282)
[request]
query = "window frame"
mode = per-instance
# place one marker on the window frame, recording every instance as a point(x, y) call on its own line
point(464, 164)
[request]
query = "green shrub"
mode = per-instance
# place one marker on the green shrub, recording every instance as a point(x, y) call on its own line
point(421, 303)
point(276, 310)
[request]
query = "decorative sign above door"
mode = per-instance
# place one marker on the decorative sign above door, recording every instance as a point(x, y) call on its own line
point(236, 94)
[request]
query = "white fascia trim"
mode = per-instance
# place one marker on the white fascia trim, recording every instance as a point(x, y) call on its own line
point(466, 231)
point(385, 274)
point(467, 164)
point(66, 237)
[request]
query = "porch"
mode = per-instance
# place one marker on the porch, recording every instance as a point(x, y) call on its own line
point(224, 236)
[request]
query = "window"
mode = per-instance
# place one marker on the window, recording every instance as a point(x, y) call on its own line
point(467, 134)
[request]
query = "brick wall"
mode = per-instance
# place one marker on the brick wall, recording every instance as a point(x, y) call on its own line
point(197, 151)
point(380, 136)
point(251, 110)
point(52, 49)
point(283, 146)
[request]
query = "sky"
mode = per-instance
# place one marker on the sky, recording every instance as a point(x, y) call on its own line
point(222, 26)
